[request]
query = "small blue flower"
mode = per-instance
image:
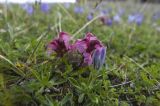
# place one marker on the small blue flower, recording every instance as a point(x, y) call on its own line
point(131, 18)
point(117, 18)
point(109, 22)
point(139, 19)
point(99, 57)
point(90, 16)
point(136, 18)
point(28, 8)
point(45, 7)
point(78, 10)
point(103, 12)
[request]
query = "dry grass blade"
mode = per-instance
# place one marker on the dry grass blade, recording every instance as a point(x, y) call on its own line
point(18, 71)
point(88, 23)
point(67, 13)
point(140, 66)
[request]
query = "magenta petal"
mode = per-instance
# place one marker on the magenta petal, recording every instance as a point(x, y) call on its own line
point(63, 36)
point(92, 42)
point(87, 59)
point(90, 37)
point(98, 45)
point(52, 47)
point(81, 46)
point(59, 45)
point(72, 47)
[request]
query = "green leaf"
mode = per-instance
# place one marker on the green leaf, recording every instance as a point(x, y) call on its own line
point(66, 98)
point(158, 95)
point(81, 98)
point(18, 71)
point(141, 98)
point(74, 83)
point(2, 85)
point(123, 103)
point(93, 98)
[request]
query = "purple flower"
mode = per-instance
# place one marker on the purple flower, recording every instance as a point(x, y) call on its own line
point(103, 12)
point(87, 59)
point(90, 16)
point(86, 51)
point(131, 18)
point(108, 22)
point(45, 7)
point(92, 42)
point(81, 46)
point(99, 57)
point(59, 45)
point(78, 10)
point(139, 19)
point(87, 46)
point(117, 18)
point(28, 8)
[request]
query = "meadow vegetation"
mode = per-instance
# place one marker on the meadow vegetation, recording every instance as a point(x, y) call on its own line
point(30, 77)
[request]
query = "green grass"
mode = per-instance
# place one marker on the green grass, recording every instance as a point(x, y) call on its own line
point(29, 77)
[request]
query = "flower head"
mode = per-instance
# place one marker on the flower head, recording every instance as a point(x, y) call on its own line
point(108, 22)
point(139, 19)
point(28, 8)
point(92, 42)
point(59, 45)
point(117, 18)
point(131, 18)
point(78, 10)
point(103, 12)
point(136, 18)
point(45, 7)
point(87, 46)
point(83, 52)
point(90, 16)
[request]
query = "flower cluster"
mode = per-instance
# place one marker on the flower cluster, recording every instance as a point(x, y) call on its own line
point(136, 18)
point(29, 8)
point(90, 48)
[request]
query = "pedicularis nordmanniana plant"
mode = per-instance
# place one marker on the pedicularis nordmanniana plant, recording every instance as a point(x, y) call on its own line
point(88, 51)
